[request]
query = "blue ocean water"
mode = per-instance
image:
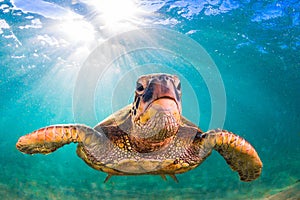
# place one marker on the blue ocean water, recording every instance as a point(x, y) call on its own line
point(46, 53)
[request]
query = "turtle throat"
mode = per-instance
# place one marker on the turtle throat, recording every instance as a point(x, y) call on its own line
point(155, 127)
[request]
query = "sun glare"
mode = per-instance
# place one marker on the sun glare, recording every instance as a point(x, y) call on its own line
point(115, 14)
point(77, 30)
point(111, 16)
point(116, 10)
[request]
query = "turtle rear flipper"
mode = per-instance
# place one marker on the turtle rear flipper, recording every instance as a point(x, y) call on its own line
point(238, 153)
point(48, 139)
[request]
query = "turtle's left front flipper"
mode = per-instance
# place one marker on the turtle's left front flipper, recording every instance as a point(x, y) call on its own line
point(48, 139)
point(238, 153)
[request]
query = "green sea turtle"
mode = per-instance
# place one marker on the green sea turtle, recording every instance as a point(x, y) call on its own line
point(149, 136)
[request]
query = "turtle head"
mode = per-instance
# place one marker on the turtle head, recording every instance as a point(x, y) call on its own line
point(157, 105)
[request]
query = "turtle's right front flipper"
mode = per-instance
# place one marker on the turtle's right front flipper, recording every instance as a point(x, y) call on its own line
point(238, 153)
point(48, 139)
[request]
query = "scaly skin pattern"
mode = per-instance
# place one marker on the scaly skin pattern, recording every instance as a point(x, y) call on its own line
point(238, 153)
point(48, 139)
point(147, 137)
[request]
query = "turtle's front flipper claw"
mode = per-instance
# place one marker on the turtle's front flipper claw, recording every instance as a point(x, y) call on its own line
point(238, 153)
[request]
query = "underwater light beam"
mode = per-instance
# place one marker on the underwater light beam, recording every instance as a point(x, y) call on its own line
point(115, 11)
point(77, 30)
point(115, 14)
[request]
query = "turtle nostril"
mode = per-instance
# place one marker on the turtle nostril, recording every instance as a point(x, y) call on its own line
point(163, 78)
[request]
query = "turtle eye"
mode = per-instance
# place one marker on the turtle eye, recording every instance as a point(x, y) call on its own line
point(179, 86)
point(139, 87)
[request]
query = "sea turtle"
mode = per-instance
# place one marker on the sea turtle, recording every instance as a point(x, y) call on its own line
point(149, 136)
